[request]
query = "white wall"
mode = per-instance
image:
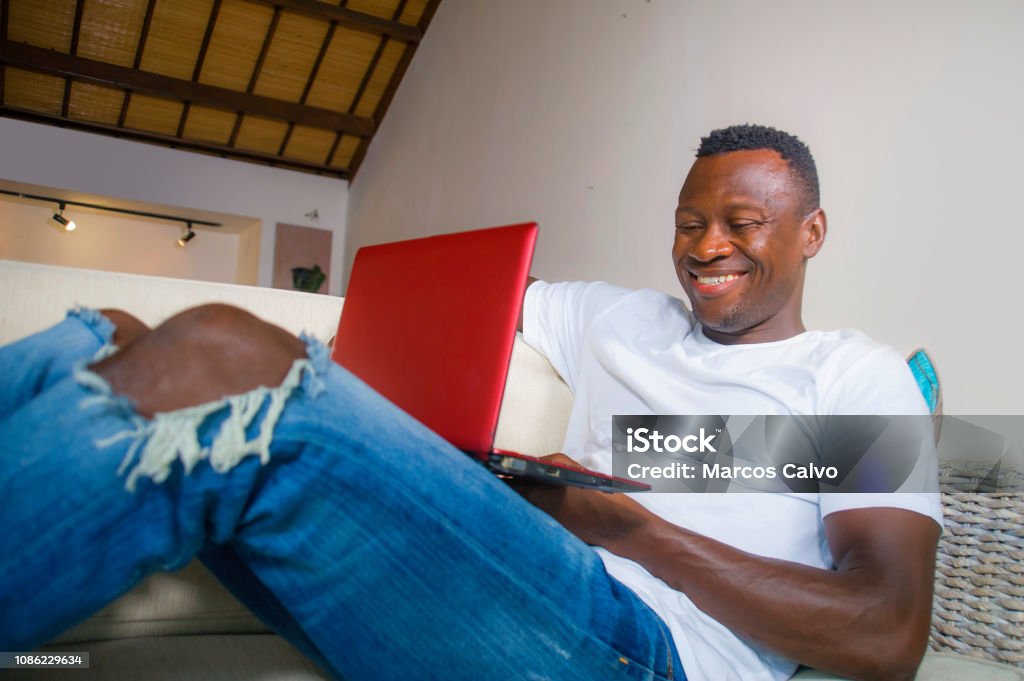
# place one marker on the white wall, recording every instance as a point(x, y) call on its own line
point(130, 171)
point(584, 115)
point(114, 243)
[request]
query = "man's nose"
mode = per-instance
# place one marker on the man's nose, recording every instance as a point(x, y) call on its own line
point(713, 243)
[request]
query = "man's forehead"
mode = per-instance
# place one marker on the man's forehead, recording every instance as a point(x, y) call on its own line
point(756, 174)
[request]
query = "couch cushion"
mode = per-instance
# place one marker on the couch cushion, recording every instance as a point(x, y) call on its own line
point(190, 601)
point(942, 667)
point(535, 407)
point(45, 292)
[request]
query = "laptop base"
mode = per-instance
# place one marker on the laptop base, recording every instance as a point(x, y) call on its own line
point(514, 465)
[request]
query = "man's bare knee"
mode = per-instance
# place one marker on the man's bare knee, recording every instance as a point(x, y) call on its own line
point(201, 355)
point(127, 327)
point(231, 331)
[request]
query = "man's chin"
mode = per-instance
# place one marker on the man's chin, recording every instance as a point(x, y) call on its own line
point(727, 322)
point(716, 315)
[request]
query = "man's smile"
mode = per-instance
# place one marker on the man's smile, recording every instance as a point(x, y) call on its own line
point(713, 284)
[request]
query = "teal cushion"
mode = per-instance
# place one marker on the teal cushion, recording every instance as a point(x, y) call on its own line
point(927, 379)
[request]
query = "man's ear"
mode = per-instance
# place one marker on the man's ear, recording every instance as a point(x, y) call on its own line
point(814, 229)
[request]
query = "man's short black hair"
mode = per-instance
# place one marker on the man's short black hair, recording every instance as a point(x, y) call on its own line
point(789, 147)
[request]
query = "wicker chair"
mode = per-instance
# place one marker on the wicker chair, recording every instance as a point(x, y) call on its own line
point(979, 583)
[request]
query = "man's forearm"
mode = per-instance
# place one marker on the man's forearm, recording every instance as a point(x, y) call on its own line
point(844, 621)
point(867, 619)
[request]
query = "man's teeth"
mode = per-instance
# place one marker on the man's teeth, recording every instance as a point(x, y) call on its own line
point(721, 279)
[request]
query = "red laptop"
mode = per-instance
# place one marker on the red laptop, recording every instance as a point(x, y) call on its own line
point(429, 323)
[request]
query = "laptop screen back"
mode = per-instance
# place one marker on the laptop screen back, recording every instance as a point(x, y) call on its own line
point(429, 323)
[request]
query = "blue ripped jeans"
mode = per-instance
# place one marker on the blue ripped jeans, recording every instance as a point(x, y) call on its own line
point(366, 540)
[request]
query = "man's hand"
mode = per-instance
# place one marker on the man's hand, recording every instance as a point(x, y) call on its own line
point(598, 518)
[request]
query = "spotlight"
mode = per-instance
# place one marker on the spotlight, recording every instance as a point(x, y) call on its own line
point(58, 217)
point(189, 235)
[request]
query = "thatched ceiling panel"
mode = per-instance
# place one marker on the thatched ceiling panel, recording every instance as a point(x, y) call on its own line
point(34, 91)
point(153, 114)
point(385, 9)
point(413, 11)
point(291, 57)
point(309, 144)
point(236, 43)
point(380, 79)
point(210, 125)
point(95, 103)
point(346, 150)
point(110, 30)
point(46, 23)
point(175, 36)
point(341, 72)
point(261, 134)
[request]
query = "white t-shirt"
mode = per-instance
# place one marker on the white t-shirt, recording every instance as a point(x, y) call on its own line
point(642, 352)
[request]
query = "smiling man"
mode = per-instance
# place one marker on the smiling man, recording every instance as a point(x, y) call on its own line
point(748, 583)
point(383, 552)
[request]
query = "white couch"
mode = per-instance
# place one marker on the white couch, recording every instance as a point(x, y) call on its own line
point(185, 625)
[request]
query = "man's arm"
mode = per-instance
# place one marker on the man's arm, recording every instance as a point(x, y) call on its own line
point(519, 324)
point(867, 619)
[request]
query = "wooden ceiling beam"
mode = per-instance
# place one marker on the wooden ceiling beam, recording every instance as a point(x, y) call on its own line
point(76, 31)
point(268, 40)
point(207, 36)
point(170, 140)
point(359, 21)
point(62, 64)
point(200, 60)
point(143, 34)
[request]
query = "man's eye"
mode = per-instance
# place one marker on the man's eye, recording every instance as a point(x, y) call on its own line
point(688, 226)
point(744, 224)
